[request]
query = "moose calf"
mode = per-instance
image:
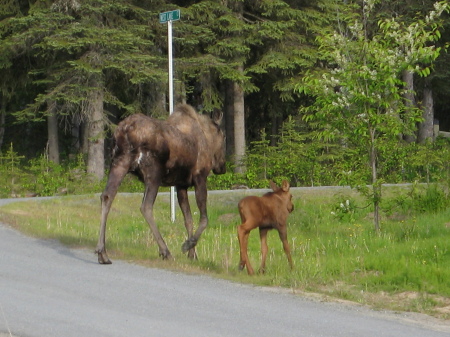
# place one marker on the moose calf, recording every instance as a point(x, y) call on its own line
point(267, 212)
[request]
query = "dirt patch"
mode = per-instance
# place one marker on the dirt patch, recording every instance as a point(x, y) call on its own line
point(444, 311)
point(408, 301)
point(19, 212)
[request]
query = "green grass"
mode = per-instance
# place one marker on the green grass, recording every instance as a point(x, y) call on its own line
point(335, 250)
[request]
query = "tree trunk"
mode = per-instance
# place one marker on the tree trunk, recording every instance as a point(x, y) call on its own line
point(159, 97)
point(179, 95)
point(76, 134)
point(84, 131)
point(274, 128)
point(426, 128)
point(239, 125)
point(376, 187)
point(52, 129)
point(95, 130)
point(229, 118)
point(276, 122)
point(410, 100)
point(2, 120)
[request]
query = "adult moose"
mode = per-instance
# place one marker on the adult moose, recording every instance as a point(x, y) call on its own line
point(180, 151)
point(267, 212)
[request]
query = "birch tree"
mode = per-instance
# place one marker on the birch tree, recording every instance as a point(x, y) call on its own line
point(359, 96)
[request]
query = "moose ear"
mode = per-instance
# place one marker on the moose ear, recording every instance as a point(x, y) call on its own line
point(285, 186)
point(273, 186)
point(216, 116)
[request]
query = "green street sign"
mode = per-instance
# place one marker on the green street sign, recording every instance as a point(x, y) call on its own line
point(169, 16)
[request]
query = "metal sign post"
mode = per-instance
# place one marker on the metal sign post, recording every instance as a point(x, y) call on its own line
point(163, 18)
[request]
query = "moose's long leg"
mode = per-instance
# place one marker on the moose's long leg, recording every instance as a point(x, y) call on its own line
point(284, 240)
point(151, 190)
point(243, 234)
point(183, 201)
point(201, 195)
point(264, 248)
point(115, 177)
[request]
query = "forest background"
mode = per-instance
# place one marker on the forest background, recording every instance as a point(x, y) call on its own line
point(319, 92)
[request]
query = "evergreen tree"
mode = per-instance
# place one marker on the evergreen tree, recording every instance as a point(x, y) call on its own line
point(86, 54)
point(253, 48)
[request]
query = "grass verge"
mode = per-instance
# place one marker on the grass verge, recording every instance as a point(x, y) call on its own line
point(335, 250)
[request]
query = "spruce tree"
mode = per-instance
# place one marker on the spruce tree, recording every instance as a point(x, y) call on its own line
point(85, 54)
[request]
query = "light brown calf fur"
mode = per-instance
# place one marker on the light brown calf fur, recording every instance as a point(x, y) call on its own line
point(267, 212)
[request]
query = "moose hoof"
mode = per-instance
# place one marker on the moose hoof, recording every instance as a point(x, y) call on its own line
point(192, 254)
point(103, 257)
point(250, 270)
point(188, 244)
point(165, 255)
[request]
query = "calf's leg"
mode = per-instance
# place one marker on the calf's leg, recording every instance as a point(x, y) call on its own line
point(243, 234)
point(264, 248)
point(283, 237)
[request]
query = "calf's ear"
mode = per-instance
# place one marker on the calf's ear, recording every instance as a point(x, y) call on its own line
point(273, 186)
point(285, 186)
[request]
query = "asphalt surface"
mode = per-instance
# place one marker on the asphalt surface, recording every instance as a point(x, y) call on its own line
point(48, 290)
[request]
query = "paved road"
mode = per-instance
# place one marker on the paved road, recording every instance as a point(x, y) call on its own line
point(49, 290)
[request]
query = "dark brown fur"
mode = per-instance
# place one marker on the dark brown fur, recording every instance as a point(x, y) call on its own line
point(180, 151)
point(267, 212)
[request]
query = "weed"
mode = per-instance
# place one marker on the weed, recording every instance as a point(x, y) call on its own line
point(419, 199)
